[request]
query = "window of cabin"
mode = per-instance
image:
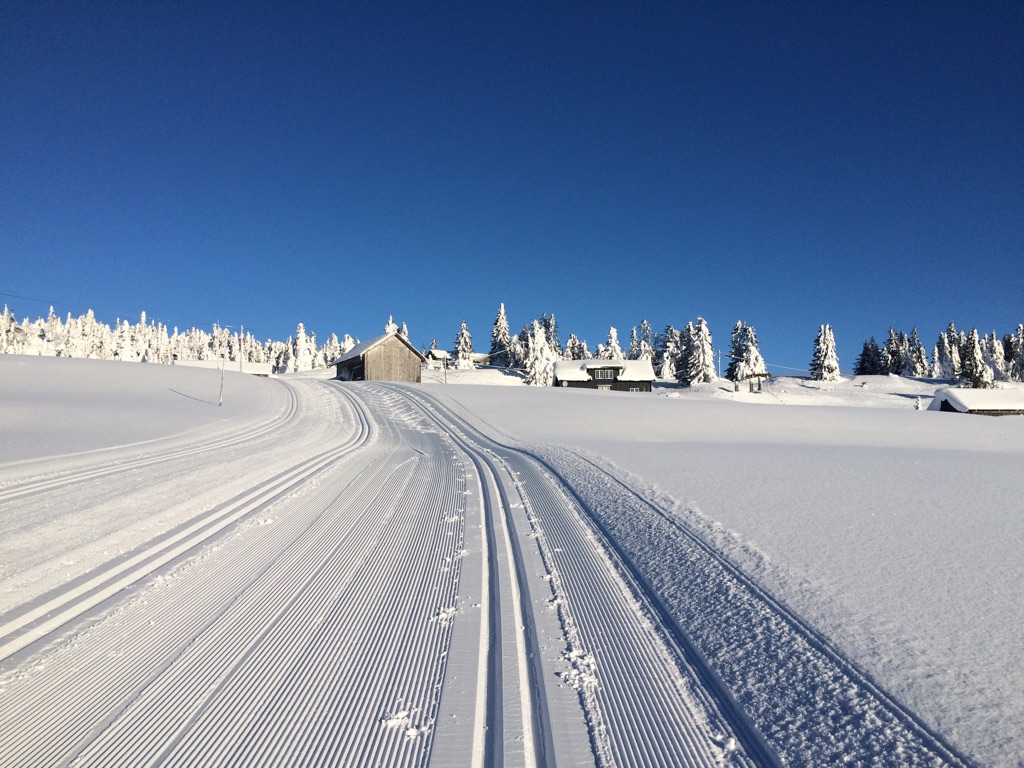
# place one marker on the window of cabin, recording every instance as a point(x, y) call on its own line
point(604, 373)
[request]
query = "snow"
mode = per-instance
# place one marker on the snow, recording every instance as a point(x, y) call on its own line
point(896, 532)
point(59, 405)
point(892, 531)
point(1009, 397)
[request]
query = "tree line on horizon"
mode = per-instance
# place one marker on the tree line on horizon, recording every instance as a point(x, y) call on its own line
point(687, 355)
point(152, 342)
point(684, 355)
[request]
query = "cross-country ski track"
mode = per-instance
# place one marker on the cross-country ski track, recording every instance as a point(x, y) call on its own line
point(372, 577)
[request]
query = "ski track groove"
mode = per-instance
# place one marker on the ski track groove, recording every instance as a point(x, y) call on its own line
point(23, 625)
point(16, 489)
point(915, 745)
point(644, 713)
point(308, 621)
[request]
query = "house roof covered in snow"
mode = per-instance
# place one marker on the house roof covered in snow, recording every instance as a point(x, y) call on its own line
point(629, 370)
point(363, 347)
point(1006, 399)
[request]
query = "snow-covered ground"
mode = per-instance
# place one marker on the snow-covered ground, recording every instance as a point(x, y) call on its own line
point(468, 573)
point(897, 532)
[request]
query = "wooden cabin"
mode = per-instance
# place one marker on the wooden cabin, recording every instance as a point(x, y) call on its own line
point(1005, 401)
point(615, 375)
point(390, 357)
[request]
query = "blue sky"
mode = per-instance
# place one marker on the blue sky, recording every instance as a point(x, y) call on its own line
point(264, 164)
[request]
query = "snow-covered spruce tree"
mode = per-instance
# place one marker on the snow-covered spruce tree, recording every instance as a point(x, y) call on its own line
point(540, 359)
point(576, 349)
point(687, 338)
point(824, 361)
point(284, 361)
point(942, 361)
point(975, 373)
point(955, 340)
point(745, 355)
point(892, 354)
point(700, 359)
point(1015, 364)
point(302, 350)
point(612, 350)
point(634, 345)
point(391, 326)
point(640, 343)
point(648, 338)
point(992, 351)
point(550, 326)
point(501, 340)
point(668, 349)
point(918, 357)
point(404, 331)
point(463, 348)
point(869, 361)
point(516, 353)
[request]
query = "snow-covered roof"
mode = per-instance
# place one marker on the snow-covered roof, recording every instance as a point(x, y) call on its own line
point(1006, 398)
point(363, 347)
point(629, 370)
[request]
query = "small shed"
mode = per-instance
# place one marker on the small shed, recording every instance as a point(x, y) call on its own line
point(1008, 401)
point(437, 358)
point(616, 375)
point(390, 357)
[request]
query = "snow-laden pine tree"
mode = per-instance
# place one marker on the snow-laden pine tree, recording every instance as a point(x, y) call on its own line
point(942, 360)
point(649, 338)
point(640, 343)
point(634, 345)
point(995, 358)
point(955, 340)
point(825, 362)
point(611, 349)
point(501, 340)
point(1015, 364)
point(974, 371)
point(404, 332)
point(869, 361)
point(302, 350)
point(745, 355)
point(892, 354)
point(391, 326)
point(463, 348)
point(918, 359)
point(516, 352)
point(550, 326)
point(540, 359)
point(668, 350)
point(576, 349)
point(700, 355)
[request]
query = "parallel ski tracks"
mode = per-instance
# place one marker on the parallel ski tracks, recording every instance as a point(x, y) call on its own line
point(635, 685)
point(521, 720)
point(27, 623)
point(931, 740)
point(106, 468)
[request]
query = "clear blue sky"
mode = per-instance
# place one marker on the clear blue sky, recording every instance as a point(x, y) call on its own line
point(783, 163)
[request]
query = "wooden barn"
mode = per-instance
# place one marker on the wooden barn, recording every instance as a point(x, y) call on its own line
point(390, 357)
point(616, 375)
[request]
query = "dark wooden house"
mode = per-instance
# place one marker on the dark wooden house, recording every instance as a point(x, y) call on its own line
point(616, 375)
point(390, 357)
